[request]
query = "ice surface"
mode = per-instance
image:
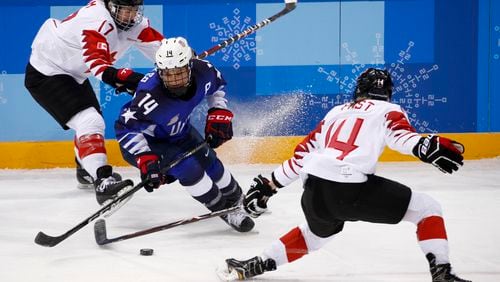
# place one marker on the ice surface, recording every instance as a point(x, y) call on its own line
point(47, 200)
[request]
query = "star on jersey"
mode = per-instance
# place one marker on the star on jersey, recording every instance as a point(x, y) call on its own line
point(128, 114)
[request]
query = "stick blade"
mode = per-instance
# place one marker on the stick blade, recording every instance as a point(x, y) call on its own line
point(45, 240)
point(100, 232)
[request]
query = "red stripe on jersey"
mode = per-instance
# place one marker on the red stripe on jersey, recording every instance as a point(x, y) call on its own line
point(431, 227)
point(403, 135)
point(299, 149)
point(296, 163)
point(397, 120)
point(295, 244)
point(291, 166)
point(303, 147)
point(284, 172)
point(96, 49)
point(98, 63)
point(90, 144)
point(101, 70)
point(149, 34)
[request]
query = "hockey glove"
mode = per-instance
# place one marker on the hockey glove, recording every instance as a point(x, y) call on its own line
point(441, 152)
point(255, 202)
point(124, 80)
point(149, 166)
point(219, 127)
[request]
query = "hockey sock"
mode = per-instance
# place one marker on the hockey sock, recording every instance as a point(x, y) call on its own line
point(432, 238)
point(232, 193)
point(295, 244)
point(207, 193)
point(91, 152)
point(213, 199)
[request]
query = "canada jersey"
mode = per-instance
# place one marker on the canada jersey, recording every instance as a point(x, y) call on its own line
point(153, 115)
point(347, 143)
point(87, 42)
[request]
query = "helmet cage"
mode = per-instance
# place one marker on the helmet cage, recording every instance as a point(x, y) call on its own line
point(125, 16)
point(176, 78)
point(173, 61)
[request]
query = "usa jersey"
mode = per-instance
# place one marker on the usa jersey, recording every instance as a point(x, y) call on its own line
point(87, 42)
point(153, 115)
point(346, 144)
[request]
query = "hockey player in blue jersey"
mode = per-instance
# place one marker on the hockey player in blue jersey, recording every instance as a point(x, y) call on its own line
point(154, 129)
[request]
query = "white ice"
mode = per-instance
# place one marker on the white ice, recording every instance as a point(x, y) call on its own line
point(47, 200)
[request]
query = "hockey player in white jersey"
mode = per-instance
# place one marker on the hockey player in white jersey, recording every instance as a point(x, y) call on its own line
point(65, 53)
point(336, 162)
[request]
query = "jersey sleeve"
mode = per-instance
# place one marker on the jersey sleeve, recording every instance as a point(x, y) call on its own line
point(289, 170)
point(95, 48)
point(400, 135)
point(132, 127)
point(148, 40)
point(95, 45)
point(217, 99)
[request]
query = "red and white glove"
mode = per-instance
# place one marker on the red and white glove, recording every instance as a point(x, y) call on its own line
point(219, 127)
point(124, 80)
point(441, 152)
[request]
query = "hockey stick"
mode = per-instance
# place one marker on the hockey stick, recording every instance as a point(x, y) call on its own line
point(289, 6)
point(101, 234)
point(50, 241)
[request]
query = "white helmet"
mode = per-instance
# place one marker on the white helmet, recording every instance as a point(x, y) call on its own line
point(173, 53)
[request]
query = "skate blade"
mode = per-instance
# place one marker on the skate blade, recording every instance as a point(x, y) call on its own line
point(225, 275)
point(85, 186)
point(117, 206)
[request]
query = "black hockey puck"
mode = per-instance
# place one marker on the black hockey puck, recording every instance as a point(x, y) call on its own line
point(146, 252)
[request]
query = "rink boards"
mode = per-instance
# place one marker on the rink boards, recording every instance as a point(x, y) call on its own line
point(240, 150)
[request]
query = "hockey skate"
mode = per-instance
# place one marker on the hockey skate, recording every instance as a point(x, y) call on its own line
point(107, 187)
point(85, 180)
point(241, 270)
point(442, 272)
point(239, 221)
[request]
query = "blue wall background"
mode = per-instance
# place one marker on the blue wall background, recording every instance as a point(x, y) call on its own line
point(443, 54)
